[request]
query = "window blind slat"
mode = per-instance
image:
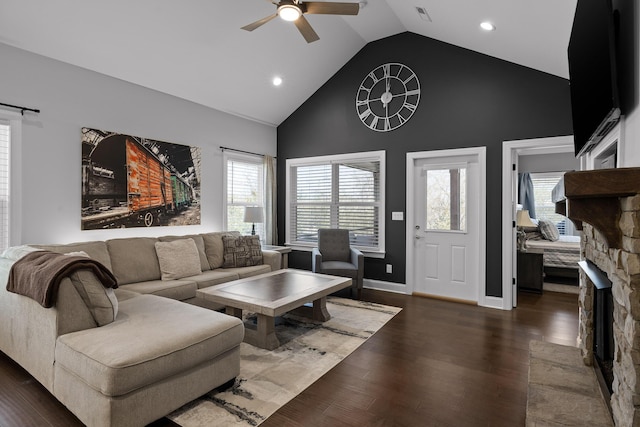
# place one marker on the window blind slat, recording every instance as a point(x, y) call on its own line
point(342, 195)
point(543, 184)
point(244, 188)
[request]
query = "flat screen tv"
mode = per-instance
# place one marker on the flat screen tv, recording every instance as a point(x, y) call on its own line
point(593, 73)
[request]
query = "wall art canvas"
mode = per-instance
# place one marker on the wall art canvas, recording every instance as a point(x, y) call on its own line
point(129, 181)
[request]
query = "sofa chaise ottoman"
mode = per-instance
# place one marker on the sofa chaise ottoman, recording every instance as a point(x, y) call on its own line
point(132, 356)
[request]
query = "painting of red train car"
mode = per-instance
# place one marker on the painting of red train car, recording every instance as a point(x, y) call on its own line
point(128, 181)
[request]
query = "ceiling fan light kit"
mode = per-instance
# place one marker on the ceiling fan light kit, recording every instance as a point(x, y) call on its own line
point(294, 10)
point(289, 12)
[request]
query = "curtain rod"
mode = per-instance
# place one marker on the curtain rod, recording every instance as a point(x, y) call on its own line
point(22, 109)
point(242, 151)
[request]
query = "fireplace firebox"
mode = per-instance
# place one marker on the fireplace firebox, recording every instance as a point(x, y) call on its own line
point(603, 344)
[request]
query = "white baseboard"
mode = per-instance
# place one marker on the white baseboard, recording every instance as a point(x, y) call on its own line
point(492, 302)
point(401, 288)
point(379, 285)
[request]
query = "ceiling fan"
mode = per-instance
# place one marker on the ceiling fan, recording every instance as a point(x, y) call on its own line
point(293, 10)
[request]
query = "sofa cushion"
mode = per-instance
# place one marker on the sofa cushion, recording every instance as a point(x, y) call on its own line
point(199, 241)
point(96, 250)
point(175, 289)
point(134, 259)
point(215, 248)
point(241, 251)
point(213, 277)
point(243, 272)
point(178, 259)
point(177, 337)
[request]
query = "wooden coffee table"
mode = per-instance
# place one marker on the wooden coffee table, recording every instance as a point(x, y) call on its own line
point(273, 294)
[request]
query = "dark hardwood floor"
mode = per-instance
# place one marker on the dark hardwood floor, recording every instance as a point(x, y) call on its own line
point(436, 363)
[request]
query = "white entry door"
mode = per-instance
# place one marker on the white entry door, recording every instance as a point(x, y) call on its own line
point(446, 227)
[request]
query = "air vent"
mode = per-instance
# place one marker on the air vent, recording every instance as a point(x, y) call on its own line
point(422, 12)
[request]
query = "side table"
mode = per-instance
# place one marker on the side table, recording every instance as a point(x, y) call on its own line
point(284, 250)
point(530, 270)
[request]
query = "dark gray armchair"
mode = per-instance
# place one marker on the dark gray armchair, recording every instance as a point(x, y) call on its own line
point(334, 255)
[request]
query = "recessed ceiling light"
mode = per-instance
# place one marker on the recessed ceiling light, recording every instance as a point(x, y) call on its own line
point(277, 81)
point(487, 26)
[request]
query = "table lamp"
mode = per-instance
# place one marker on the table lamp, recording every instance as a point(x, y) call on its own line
point(253, 214)
point(523, 220)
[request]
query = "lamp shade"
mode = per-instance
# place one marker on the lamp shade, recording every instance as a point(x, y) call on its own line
point(523, 219)
point(253, 214)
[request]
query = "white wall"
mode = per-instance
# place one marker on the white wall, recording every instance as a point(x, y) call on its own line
point(70, 98)
point(550, 162)
point(631, 122)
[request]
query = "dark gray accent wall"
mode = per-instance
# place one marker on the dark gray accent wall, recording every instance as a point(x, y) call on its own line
point(467, 100)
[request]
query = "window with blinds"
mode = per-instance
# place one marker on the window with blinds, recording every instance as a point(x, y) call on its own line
point(543, 183)
point(245, 187)
point(5, 138)
point(337, 192)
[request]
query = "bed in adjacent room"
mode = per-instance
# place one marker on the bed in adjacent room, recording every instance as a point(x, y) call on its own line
point(560, 256)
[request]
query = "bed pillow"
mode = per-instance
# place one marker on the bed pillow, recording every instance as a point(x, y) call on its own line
point(178, 259)
point(549, 230)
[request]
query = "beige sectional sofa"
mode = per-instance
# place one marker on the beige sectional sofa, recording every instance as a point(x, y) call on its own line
point(129, 360)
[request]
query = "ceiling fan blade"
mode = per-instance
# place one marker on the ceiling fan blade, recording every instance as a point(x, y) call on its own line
point(331, 8)
point(259, 22)
point(305, 29)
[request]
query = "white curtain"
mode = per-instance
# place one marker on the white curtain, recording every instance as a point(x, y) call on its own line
point(270, 205)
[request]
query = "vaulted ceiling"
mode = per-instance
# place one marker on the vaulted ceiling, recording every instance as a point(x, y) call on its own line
point(196, 49)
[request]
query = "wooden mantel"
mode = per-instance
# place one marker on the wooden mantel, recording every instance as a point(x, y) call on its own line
point(593, 197)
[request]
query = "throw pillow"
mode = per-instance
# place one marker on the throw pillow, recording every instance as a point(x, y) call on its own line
point(242, 251)
point(214, 247)
point(101, 302)
point(549, 230)
point(178, 259)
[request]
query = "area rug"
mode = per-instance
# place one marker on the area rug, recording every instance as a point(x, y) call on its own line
point(269, 379)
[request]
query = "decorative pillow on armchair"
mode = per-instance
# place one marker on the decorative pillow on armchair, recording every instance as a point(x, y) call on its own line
point(242, 251)
point(549, 230)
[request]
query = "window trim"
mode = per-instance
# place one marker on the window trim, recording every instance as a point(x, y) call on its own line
point(241, 157)
point(339, 158)
point(14, 120)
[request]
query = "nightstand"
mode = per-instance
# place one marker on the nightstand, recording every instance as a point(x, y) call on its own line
point(530, 270)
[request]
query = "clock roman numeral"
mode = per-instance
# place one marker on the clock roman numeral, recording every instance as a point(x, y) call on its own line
point(411, 77)
point(410, 107)
point(374, 123)
point(386, 70)
point(365, 114)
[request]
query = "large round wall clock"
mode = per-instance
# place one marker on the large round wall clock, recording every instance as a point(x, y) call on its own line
point(388, 96)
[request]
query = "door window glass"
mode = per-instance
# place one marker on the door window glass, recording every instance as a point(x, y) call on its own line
point(446, 196)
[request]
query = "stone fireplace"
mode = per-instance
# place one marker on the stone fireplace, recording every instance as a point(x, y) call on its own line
point(606, 205)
